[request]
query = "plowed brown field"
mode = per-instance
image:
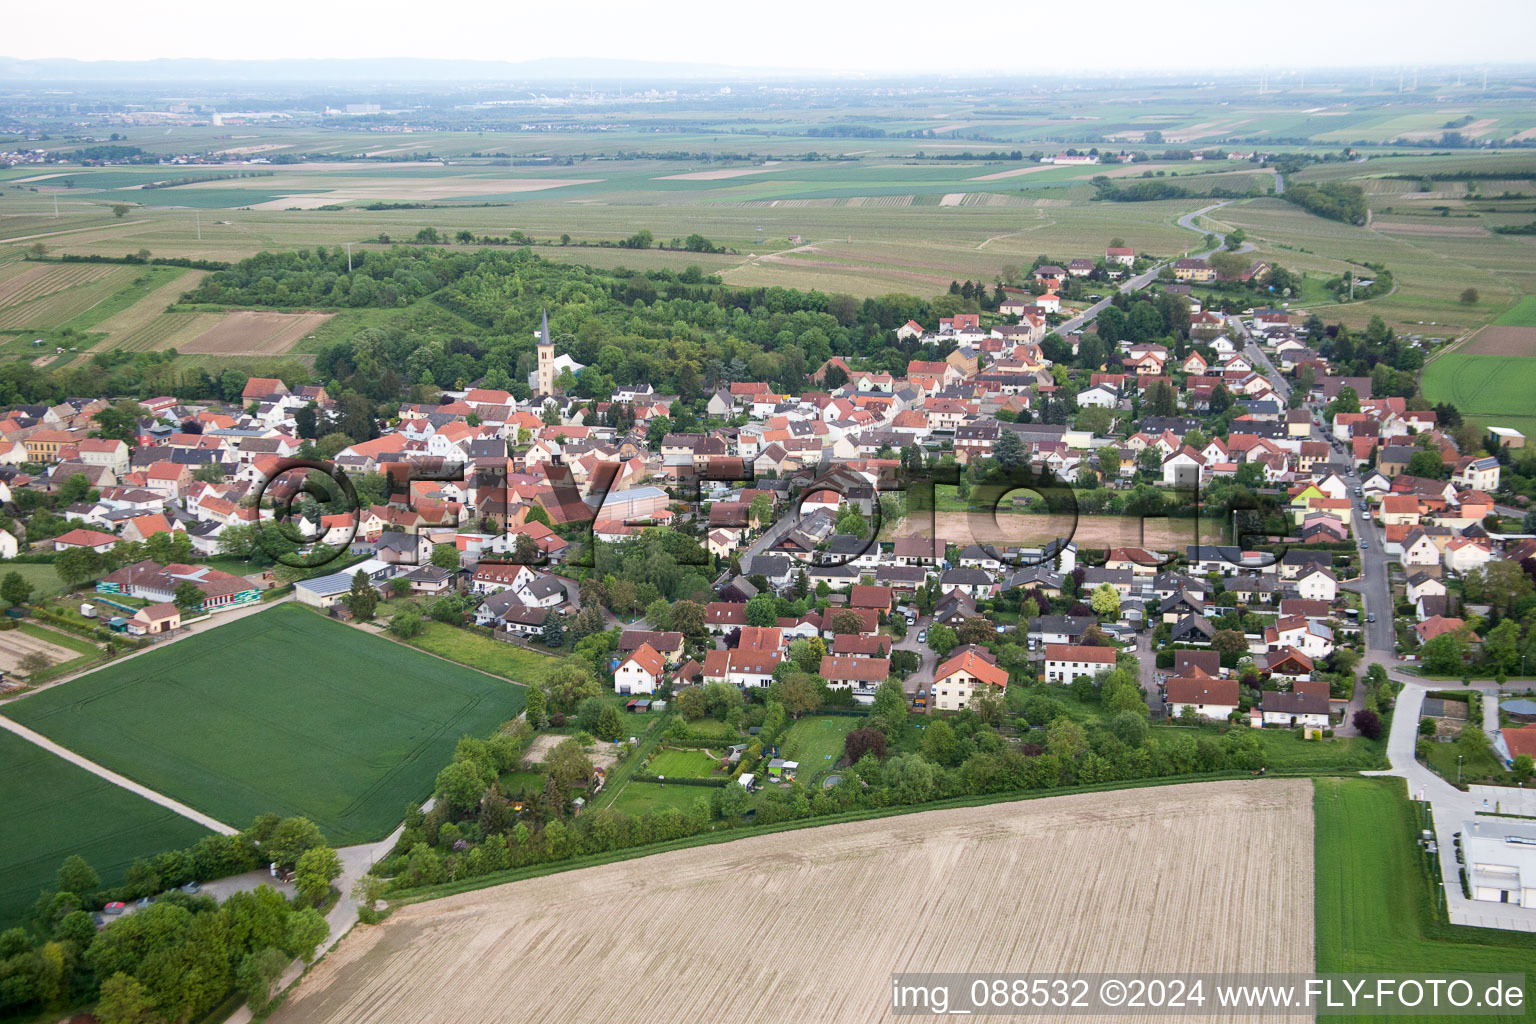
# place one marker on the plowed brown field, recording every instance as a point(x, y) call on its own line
point(808, 926)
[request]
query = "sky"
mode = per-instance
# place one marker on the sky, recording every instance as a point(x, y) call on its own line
point(900, 37)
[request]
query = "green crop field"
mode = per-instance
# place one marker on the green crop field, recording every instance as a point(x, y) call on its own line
point(1373, 901)
point(54, 809)
point(1522, 314)
point(1488, 390)
point(283, 711)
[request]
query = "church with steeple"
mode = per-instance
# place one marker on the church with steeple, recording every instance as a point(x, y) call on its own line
point(546, 370)
point(549, 367)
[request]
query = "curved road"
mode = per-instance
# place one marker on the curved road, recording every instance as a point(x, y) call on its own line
point(1140, 281)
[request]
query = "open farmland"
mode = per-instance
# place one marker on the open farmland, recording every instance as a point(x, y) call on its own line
point(61, 292)
point(1489, 378)
point(54, 809)
point(284, 711)
point(254, 333)
point(1157, 882)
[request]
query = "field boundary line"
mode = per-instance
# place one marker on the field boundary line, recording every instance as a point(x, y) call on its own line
point(121, 781)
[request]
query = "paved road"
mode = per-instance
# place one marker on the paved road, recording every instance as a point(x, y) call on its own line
point(73, 758)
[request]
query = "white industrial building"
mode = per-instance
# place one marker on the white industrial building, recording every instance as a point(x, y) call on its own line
point(1500, 856)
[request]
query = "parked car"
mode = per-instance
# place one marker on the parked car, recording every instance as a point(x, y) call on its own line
point(1370, 617)
point(922, 636)
point(192, 888)
point(115, 907)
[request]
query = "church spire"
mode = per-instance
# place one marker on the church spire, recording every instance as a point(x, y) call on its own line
point(544, 338)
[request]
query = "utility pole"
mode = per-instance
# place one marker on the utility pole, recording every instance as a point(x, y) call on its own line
point(349, 257)
point(199, 225)
point(55, 206)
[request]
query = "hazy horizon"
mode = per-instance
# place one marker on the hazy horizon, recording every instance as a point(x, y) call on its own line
point(801, 37)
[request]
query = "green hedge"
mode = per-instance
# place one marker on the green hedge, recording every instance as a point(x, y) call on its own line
point(675, 781)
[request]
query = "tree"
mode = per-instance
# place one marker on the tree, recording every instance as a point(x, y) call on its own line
point(846, 622)
point(75, 565)
point(362, 599)
point(864, 741)
point(1523, 767)
point(120, 210)
point(942, 639)
point(939, 742)
point(763, 610)
point(187, 597)
point(1065, 738)
point(314, 872)
point(687, 618)
point(553, 634)
point(14, 589)
point(889, 710)
point(76, 876)
point(533, 707)
point(406, 624)
point(1229, 641)
point(119, 422)
point(610, 724)
point(460, 786)
point(256, 974)
point(1469, 297)
point(1105, 600)
point(289, 839)
point(1009, 450)
point(568, 766)
point(1369, 723)
point(124, 1001)
point(446, 556)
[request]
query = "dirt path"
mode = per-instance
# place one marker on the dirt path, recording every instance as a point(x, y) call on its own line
point(124, 782)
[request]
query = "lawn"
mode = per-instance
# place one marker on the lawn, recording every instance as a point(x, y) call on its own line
point(640, 798)
point(816, 741)
point(1284, 750)
point(678, 764)
point(1372, 899)
point(494, 656)
point(44, 579)
point(1442, 758)
point(283, 711)
point(54, 809)
point(514, 783)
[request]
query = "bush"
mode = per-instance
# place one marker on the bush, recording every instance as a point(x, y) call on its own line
point(1369, 723)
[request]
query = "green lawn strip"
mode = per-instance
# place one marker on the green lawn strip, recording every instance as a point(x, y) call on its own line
point(54, 809)
point(284, 711)
point(1373, 902)
point(57, 636)
point(494, 656)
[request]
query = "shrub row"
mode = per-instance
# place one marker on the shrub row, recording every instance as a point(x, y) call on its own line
point(681, 781)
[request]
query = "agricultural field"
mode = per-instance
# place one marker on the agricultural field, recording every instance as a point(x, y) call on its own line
point(1372, 898)
point(1167, 883)
point(1489, 377)
point(282, 711)
point(54, 809)
point(49, 295)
